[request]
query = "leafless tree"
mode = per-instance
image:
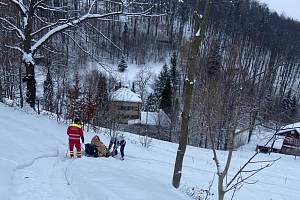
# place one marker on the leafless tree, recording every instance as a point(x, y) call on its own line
point(143, 80)
point(199, 30)
point(34, 26)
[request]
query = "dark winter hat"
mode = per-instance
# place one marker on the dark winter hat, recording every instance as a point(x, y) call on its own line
point(76, 120)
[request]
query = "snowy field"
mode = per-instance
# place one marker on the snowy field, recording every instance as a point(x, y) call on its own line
point(33, 166)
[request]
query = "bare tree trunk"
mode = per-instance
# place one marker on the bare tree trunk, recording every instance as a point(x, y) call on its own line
point(28, 61)
point(31, 85)
point(20, 86)
point(252, 124)
point(188, 92)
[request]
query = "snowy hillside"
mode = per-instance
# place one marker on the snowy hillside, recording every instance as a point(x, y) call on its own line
point(33, 167)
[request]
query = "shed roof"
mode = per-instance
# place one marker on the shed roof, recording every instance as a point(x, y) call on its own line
point(126, 95)
point(290, 127)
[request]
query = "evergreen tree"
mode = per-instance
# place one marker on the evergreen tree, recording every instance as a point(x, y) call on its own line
point(48, 92)
point(133, 87)
point(289, 106)
point(122, 64)
point(166, 97)
point(161, 81)
point(151, 105)
point(174, 72)
point(163, 90)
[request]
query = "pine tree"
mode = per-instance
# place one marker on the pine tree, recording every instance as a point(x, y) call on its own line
point(122, 64)
point(174, 72)
point(151, 105)
point(161, 81)
point(163, 90)
point(166, 97)
point(133, 87)
point(48, 92)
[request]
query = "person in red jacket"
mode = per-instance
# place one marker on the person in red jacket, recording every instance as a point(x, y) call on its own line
point(75, 132)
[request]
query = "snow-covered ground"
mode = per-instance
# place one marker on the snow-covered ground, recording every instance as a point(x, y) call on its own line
point(131, 72)
point(33, 166)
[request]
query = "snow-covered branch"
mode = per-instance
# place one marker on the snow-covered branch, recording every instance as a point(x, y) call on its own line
point(20, 5)
point(115, 2)
point(62, 27)
point(16, 48)
point(49, 8)
point(91, 7)
point(104, 36)
point(2, 3)
point(60, 21)
point(14, 27)
point(38, 3)
point(83, 18)
point(138, 3)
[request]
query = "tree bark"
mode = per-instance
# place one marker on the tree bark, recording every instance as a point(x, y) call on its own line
point(31, 84)
point(188, 92)
point(20, 86)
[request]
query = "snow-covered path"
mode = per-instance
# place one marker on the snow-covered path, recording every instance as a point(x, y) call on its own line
point(44, 179)
point(33, 167)
point(36, 168)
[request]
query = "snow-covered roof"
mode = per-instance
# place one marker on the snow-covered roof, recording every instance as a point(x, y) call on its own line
point(125, 94)
point(290, 127)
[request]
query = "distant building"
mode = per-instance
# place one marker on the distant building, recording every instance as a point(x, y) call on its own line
point(126, 105)
point(286, 141)
point(290, 139)
point(153, 124)
point(159, 118)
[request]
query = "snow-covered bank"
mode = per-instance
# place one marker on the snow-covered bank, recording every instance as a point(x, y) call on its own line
point(24, 138)
point(32, 166)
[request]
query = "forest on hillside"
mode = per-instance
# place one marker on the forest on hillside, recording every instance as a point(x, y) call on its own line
point(247, 69)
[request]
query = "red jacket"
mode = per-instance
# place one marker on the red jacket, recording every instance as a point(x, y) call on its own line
point(75, 132)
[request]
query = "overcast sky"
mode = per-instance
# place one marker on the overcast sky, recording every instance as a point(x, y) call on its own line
point(290, 8)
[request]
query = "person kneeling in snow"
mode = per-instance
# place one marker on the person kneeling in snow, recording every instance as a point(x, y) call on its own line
point(116, 142)
point(101, 148)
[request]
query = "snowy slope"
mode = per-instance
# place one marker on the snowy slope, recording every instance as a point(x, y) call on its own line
point(33, 166)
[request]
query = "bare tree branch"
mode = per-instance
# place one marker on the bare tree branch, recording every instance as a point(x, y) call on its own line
point(14, 27)
point(20, 5)
point(16, 48)
point(105, 37)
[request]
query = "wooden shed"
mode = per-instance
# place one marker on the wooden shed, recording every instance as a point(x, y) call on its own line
point(126, 105)
point(291, 139)
point(286, 141)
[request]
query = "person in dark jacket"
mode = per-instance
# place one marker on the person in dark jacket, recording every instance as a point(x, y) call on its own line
point(75, 133)
point(116, 142)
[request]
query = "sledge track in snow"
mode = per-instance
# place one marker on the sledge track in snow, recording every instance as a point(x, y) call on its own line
point(45, 177)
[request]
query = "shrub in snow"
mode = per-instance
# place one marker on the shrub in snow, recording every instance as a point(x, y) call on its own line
point(8, 102)
point(145, 141)
point(198, 193)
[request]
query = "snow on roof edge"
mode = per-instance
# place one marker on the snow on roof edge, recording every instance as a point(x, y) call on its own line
point(126, 95)
point(289, 127)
